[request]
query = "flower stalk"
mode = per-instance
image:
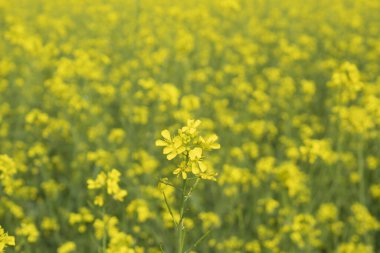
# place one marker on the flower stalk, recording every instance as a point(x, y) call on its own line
point(190, 149)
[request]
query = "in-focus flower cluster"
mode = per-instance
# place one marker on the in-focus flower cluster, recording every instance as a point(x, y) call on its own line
point(5, 240)
point(191, 149)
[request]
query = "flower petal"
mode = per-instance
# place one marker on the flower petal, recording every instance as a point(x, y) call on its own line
point(166, 134)
point(167, 150)
point(177, 142)
point(181, 150)
point(161, 143)
point(202, 166)
point(195, 154)
point(171, 156)
point(215, 146)
point(195, 169)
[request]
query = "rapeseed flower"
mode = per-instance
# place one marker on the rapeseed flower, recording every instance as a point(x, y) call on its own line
point(5, 240)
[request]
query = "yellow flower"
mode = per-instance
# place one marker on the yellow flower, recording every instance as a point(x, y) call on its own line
point(113, 187)
point(191, 126)
point(167, 139)
point(29, 230)
point(375, 191)
point(210, 142)
point(197, 165)
point(110, 181)
point(67, 247)
point(98, 182)
point(193, 146)
point(5, 240)
point(172, 147)
point(181, 171)
point(209, 220)
point(208, 176)
point(49, 224)
point(99, 200)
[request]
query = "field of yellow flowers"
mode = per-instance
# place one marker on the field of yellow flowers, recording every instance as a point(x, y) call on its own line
point(192, 126)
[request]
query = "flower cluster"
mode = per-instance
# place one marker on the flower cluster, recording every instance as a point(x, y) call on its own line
point(191, 149)
point(7, 171)
point(107, 182)
point(5, 240)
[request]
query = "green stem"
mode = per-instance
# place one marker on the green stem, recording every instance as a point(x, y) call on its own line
point(169, 184)
point(198, 241)
point(169, 209)
point(191, 190)
point(181, 228)
point(104, 239)
point(162, 249)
